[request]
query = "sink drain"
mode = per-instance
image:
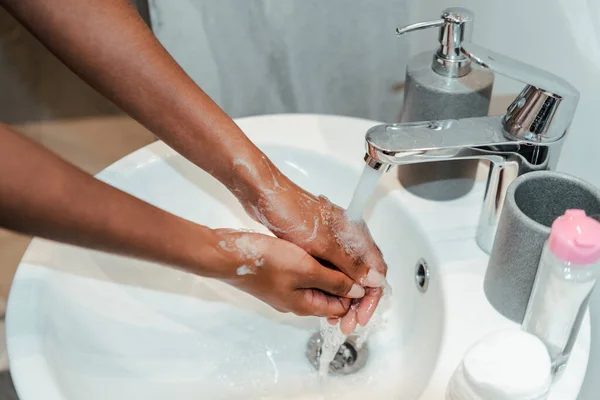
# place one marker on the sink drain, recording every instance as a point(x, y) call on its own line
point(422, 275)
point(348, 359)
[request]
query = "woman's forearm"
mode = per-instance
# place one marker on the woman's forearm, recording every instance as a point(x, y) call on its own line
point(42, 195)
point(109, 46)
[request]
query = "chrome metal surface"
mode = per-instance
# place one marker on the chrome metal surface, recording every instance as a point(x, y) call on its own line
point(469, 138)
point(544, 110)
point(349, 359)
point(530, 115)
point(429, 141)
point(451, 68)
point(376, 165)
point(456, 26)
point(420, 26)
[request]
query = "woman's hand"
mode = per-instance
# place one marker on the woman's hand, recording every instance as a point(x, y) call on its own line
point(323, 230)
point(153, 89)
point(283, 275)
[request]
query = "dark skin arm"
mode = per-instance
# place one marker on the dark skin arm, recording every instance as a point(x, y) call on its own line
point(109, 46)
point(42, 195)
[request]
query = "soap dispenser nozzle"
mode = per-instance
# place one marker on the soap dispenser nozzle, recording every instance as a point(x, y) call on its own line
point(456, 26)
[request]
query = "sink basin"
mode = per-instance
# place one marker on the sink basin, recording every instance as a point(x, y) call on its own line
point(87, 325)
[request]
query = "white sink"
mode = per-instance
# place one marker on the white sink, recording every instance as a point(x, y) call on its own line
point(87, 325)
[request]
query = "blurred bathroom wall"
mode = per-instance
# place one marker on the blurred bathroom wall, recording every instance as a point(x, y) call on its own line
point(288, 56)
point(35, 86)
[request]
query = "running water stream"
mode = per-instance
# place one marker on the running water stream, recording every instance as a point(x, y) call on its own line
point(331, 335)
point(362, 194)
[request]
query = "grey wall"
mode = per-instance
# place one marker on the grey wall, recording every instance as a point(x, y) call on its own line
point(258, 57)
point(35, 86)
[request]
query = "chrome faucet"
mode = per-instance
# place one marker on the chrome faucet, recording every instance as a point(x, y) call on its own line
point(528, 137)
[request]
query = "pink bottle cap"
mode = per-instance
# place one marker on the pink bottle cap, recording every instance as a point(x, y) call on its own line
point(575, 238)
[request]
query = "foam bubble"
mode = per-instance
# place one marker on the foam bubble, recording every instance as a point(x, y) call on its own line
point(244, 270)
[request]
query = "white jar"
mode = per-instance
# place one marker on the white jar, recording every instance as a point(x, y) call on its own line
point(506, 365)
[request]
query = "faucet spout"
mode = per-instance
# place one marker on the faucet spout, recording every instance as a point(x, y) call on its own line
point(470, 138)
point(429, 141)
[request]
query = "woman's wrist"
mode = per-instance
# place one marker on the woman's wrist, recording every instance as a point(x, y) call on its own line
point(230, 254)
point(255, 177)
point(203, 254)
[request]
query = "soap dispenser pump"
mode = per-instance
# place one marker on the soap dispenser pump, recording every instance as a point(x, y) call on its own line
point(444, 84)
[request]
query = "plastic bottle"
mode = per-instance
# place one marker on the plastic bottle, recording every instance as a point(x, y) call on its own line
point(563, 285)
point(507, 365)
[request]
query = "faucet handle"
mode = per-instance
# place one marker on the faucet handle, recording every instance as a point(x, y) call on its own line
point(544, 110)
point(456, 25)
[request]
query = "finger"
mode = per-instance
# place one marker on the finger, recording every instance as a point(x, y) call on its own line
point(348, 322)
point(315, 302)
point(333, 321)
point(367, 274)
point(347, 261)
point(368, 305)
point(334, 282)
point(355, 254)
point(377, 266)
point(374, 258)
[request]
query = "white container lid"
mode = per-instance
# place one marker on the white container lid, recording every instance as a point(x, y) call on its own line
point(506, 365)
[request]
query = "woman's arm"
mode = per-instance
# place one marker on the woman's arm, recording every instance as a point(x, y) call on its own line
point(42, 195)
point(108, 45)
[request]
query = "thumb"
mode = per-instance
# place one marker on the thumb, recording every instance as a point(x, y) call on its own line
point(315, 302)
point(334, 282)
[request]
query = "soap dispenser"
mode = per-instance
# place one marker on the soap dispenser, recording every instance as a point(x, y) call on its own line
point(444, 84)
